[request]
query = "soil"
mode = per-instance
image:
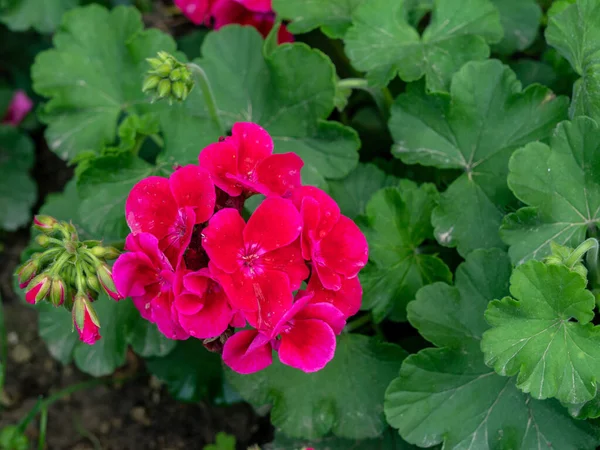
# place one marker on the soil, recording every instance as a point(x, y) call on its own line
point(138, 415)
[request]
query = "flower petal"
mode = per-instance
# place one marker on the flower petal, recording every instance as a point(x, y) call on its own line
point(254, 145)
point(237, 356)
point(274, 224)
point(178, 236)
point(192, 186)
point(211, 320)
point(288, 260)
point(150, 207)
point(188, 304)
point(279, 174)
point(166, 318)
point(325, 312)
point(308, 345)
point(347, 299)
point(220, 159)
point(91, 332)
point(344, 250)
point(223, 239)
point(261, 6)
point(319, 216)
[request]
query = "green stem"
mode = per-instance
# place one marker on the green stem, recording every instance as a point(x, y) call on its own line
point(582, 249)
point(382, 97)
point(209, 96)
point(357, 323)
point(43, 428)
point(3, 346)
point(157, 140)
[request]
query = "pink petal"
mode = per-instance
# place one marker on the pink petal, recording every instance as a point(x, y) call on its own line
point(238, 320)
point(289, 260)
point(195, 10)
point(320, 212)
point(150, 207)
point(284, 36)
point(261, 6)
point(347, 299)
point(197, 282)
point(179, 236)
point(165, 317)
point(344, 250)
point(254, 145)
point(192, 186)
point(237, 356)
point(264, 299)
point(308, 345)
point(188, 304)
point(211, 320)
point(32, 293)
point(325, 312)
point(143, 305)
point(225, 12)
point(91, 332)
point(132, 273)
point(223, 239)
point(274, 224)
point(221, 159)
point(279, 174)
point(328, 277)
point(20, 105)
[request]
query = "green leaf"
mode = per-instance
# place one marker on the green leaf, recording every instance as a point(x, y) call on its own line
point(289, 92)
point(398, 222)
point(561, 183)
point(474, 128)
point(544, 334)
point(575, 33)
point(223, 441)
point(103, 187)
point(44, 16)
point(520, 20)
point(389, 440)
point(93, 75)
point(382, 43)
point(447, 395)
point(333, 16)
point(353, 192)
point(147, 341)
point(17, 189)
point(190, 372)
point(55, 327)
point(312, 405)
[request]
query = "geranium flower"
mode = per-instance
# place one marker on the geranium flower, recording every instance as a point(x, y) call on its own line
point(244, 163)
point(19, 107)
point(256, 13)
point(259, 263)
point(347, 299)
point(304, 338)
point(146, 275)
point(201, 304)
point(169, 208)
point(333, 242)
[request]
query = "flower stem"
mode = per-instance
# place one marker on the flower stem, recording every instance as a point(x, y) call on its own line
point(209, 96)
point(591, 245)
point(357, 323)
point(43, 428)
point(382, 97)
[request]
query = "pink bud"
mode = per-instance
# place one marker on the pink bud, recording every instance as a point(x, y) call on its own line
point(57, 292)
point(19, 107)
point(26, 272)
point(105, 278)
point(45, 223)
point(85, 320)
point(38, 290)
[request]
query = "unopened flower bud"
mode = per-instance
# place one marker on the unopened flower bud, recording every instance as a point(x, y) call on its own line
point(162, 79)
point(45, 224)
point(85, 319)
point(105, 277)
point(150, 83)
point(38, 289)
point(164, 88)
point(93, 284)
point(57, 292)
point(27, 271)
point(43, 240)
point(105, 252)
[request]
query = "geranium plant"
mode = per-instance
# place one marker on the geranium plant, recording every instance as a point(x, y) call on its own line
point(377, 217)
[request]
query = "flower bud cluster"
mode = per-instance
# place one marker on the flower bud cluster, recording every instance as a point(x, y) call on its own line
point(168, 78)
point(69, 273)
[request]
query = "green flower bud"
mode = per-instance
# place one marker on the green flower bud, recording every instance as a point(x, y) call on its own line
point(57, 292)
point(164, 88)
point(93, 284)
point(160, 79)
point(105, 278)
point(105, 252)
point(43, 240)
point(27, 271)
point(45, 224)
point(150, 82)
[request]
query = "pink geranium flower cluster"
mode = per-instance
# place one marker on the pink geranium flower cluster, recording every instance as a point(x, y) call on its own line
point(197, 268)
point(218, 13)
